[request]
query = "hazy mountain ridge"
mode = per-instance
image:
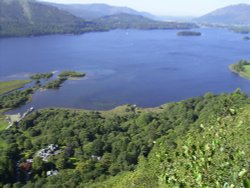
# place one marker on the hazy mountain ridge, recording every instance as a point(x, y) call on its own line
point(126, 21)
point(95, 11)
point(234, 14)
point(27, 18)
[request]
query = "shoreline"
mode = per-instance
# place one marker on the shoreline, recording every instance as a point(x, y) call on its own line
point(241, 74)
point(7, 120)
point(96, 31)
point(13, 86)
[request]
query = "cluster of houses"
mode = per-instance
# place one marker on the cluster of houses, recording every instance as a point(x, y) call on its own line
point(96, 157)
point(51, 150)
point(44, 154)
point(52, 172)
point(27, 168)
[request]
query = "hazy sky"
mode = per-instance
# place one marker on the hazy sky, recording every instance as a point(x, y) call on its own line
point(165, 7)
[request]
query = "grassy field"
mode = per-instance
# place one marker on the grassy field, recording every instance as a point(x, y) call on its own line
point(245, 73)
point(8, 86)
point(247, 70)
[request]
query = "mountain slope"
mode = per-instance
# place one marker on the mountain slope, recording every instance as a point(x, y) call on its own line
point(128, 21)
point(94, 11)
point(198, 142)
point(25, 17)
point(214, 152)
point(234, 14)
point(29, 17)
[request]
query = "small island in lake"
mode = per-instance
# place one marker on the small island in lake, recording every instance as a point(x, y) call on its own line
point(62, 77)
point(189, 33)
point(71, 74)
point(242, 68)
point(39, 76)
point(55, 83)
point(246, 38)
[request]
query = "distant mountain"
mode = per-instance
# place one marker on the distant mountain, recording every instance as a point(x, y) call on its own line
point(94, 11)
point(234, 14)
point(28, 17)
point(176, 18)
point(127, 21)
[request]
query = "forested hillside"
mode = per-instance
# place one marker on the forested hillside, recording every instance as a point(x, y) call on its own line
point(234, 14)
point(26, 17)
point(32, 18)
point(127, 21)
point(200, 142)
point(95, 11)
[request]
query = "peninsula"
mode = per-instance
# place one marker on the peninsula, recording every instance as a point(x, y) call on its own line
point(8, 86)
point(242, 68)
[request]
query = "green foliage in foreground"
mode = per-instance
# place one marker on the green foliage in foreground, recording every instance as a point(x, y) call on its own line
point(66, 74)
point(9, 86)
point(201, 142)
point(214, 154)
point(3, 123)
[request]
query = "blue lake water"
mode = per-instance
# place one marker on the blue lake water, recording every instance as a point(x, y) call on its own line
point(147, 68)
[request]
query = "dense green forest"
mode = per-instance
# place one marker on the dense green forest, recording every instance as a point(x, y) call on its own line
point(15, 98)
point(198, 142)
point(22, 18)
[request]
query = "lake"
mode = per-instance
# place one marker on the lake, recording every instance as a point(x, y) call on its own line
point(147, 68)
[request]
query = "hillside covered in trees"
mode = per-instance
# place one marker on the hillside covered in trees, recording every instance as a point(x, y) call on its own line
point(234, 14)
point(32, 18)
point(127, 21)
point(22, 17)
point(198, 142)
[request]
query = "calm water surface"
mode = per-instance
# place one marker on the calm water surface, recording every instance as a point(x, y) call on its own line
point(147, 68)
